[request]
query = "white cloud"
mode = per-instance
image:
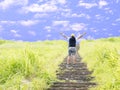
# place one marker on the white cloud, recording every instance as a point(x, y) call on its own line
point(94, 30)
point(53, 1)
point(64, 23)
point(87, 5)
point(40, 1)
point(40, 15)
point(81, 15)
point(81, 1)
point(8, 22)
point(48, 28)
point(33, 33)
point(62, 1)
point(49, 35)
point(15, 33)
point(99, 17)
point(114, 24)
point(40, 8)
point(117, 1)
point(110, 34)
point(46, 6)
point(102, 3)
point(78, 26)
point(8, 3)
point(58, 1)
point(28, 22)
point(111, 12)
point(22, 22)
point(76, 15)
point(65, 12)
point(108, 10)
point(104, 29)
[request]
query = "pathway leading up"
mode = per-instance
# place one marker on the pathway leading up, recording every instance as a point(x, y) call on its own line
point(75, 77)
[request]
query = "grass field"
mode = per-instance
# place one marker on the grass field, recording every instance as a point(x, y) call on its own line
point(29, 65)
point(103, 56)
point(33, 65)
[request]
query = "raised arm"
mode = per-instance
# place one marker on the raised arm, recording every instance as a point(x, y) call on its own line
point(81, 35)
point(66, 37)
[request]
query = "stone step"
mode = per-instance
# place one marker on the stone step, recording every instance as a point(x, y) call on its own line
point(74, 77)
point(78, 63)
point(83, 78)
point(80, 72)
point(68, 88)
point(75, 68)
point(73, 84)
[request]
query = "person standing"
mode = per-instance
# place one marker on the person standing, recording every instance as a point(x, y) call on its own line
point(72, 46)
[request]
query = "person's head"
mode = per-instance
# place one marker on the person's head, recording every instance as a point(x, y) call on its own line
point(72, 35)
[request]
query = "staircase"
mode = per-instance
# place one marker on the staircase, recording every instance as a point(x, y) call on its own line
point(76, 77)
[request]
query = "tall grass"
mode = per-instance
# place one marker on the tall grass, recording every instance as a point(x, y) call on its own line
point(29, 66)
point(103, 57)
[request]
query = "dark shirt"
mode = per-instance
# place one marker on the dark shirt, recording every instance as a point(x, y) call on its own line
point(72, 42)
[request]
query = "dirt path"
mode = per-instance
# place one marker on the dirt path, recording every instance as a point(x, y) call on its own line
point(76, 77)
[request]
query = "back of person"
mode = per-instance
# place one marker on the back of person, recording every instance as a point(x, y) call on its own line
point(72, 47)
point(72, 41)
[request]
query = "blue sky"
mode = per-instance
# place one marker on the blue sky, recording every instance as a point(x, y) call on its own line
point(34, 20)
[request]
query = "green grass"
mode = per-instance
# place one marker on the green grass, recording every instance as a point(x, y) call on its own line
point(103, 57)
point(33, 65)
point(29, 65)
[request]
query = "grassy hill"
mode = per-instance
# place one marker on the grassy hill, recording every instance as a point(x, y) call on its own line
point(29, 65)
point(33, 65)
point(103, 57)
